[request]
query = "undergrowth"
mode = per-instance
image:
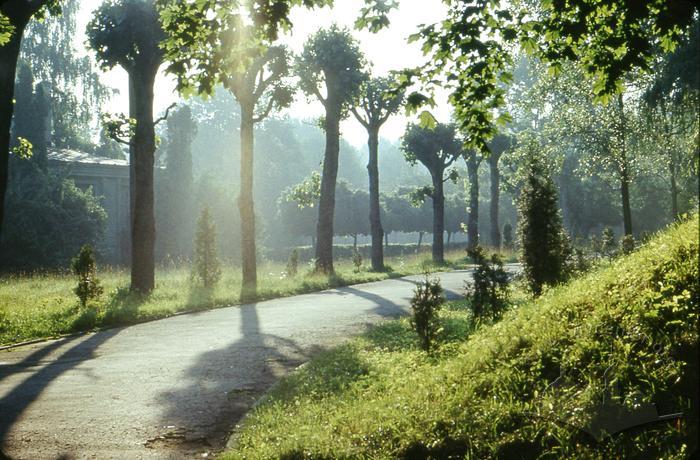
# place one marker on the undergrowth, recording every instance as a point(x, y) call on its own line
point(578, 373)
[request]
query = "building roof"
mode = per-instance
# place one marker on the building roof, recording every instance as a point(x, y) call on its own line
point(74, 156)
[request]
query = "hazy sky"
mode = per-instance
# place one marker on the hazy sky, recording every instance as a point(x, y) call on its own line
point(386, 51)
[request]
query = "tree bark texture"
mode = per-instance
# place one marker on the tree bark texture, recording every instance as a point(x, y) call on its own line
point(326, 206)
point(246, 206)
point(143, 233)
point(374, 209)
point(438, 219)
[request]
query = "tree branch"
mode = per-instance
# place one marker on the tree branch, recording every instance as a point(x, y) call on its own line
point(165, 116)
point(266, 112)
point(362, 121)
point(317, 93)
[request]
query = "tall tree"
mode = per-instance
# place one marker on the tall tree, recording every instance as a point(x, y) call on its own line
point(374, 107)
point(473, 160)
point(258, 88)
point(331, 64)
point(437, 149)
point(497, 146)
point(671, 104)
point(14, 17)
point(127, 33)
point(77, 93)
point(237, 54)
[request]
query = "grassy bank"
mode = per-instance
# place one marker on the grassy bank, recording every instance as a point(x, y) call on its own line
point(615, 341)
point(43, 305)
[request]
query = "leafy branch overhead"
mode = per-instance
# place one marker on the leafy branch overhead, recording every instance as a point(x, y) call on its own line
point(469, 51)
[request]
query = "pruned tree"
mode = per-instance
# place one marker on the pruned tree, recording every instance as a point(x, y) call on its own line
point(375, 105)
point(234, 51)
point(259, 88)
point(437, 149)
point(127, 33)
point(331, 69)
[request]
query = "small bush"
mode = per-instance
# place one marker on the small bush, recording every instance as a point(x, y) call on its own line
point(578, 263)
point(488, 293)
point(426, 301)
point(357, 260)
point(608, 243)
point(627, 244)
point(540, 232)
point(293, 263)
point(596, 246)
point(84, 268)
point(206, 262)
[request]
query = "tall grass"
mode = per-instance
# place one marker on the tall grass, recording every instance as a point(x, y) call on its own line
point(571, 374)
point(41, 305)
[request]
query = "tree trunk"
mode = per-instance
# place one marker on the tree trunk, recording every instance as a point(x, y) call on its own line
point(374, 209)
point(673, 172)
point(354, 241)
point(8, 68)
point(449, 237)
point(626, 209)
point(624, 171)
point(326, 205)
point(420, 240)
point(495, 198)
point(438, 219)
point(386, 240)
point(18, 14)
point(246, 206)
point(473, 220)
point(143, 233)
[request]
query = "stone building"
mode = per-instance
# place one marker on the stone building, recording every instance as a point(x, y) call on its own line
point(109, 179)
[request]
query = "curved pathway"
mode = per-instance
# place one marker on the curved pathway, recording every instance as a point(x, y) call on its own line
point(174, 388)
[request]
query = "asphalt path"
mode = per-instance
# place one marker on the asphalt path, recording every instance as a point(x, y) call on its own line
point(176, 387)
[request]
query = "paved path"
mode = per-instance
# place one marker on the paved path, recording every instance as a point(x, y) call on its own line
point(174, 388)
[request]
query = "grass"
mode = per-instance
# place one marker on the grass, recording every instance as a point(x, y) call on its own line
point(43, 305)
point(615, 340)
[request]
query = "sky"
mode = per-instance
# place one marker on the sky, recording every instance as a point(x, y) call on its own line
point(386, 51)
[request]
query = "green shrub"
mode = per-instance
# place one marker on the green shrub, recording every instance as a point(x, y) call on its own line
point(83, 266)
point(293, 263)
point(427, 300)
point(47, 209)
point(542, 239)
point(627, 244)
point(488, 293)
point(206, 262)
point(357, 260)
point(596, 246)
point(608, 243)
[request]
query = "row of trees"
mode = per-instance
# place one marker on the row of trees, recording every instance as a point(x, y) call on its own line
point(210, 43)
point(399, 212)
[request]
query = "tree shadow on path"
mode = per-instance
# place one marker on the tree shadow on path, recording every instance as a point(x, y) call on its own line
point(17, 400)
point(223, 385)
